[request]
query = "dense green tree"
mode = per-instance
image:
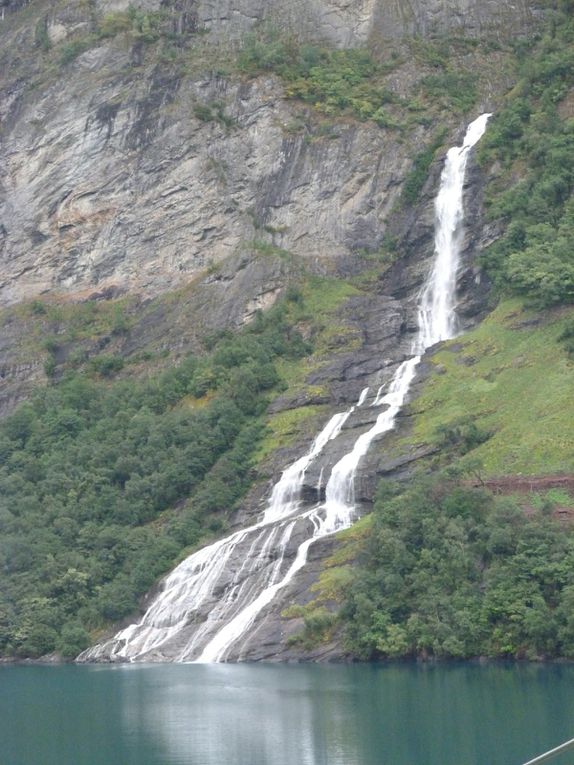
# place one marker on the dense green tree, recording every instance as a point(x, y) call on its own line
point(533, 140)
point(102, 483)
point(450, 571)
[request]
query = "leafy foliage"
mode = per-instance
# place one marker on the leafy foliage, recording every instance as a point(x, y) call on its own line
point(461, 435)
point(333, 81)
point(145, 26)
point(213, 112)
point(41, 36)
point(455, 88)
point(141, 27)
point(566, 337)
point(534, 141)
point(417, 177)
point(103, 484)
point(450, 571)
point(71, 50)
point(317, 621)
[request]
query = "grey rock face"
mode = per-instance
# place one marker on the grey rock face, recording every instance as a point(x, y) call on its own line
point(12, 5)
point(350, 22)
point(123, 185)
point(340, 22)
point(396, 18)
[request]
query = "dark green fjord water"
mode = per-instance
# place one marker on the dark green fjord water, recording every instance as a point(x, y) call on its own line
point(283, 715)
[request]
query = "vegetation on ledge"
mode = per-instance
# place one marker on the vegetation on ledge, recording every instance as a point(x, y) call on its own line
point(449, 571)
point(509, 379)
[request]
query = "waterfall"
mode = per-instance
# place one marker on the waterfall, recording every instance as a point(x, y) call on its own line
point(436, 319)
point(209, 602)
point(194, 583)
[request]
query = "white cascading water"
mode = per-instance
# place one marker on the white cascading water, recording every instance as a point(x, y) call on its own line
point(164, 631)
point(193, 583)
point(436, 317)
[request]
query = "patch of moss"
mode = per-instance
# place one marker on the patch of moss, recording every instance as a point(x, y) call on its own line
point(320, 618)
point(316, 312)
point(551, 499)
point(74, 321)
point(418, 175)
point(313, 306)
point(337, 571)
point(323, 294)
point(284, 427)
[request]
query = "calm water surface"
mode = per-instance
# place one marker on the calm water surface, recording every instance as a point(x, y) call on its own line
point(283, 715)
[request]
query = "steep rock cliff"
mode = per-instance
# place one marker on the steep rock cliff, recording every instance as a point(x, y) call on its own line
point(342, 22)
point(107, 187)
point(111, 177)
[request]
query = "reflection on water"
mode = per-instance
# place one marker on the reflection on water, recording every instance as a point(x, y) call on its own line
point(258, 715)
point(277, 715)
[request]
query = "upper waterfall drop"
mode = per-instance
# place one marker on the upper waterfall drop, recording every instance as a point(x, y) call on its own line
point(211, 600)
point(437, 317)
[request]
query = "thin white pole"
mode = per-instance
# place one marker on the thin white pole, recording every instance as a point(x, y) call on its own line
point(552, 753)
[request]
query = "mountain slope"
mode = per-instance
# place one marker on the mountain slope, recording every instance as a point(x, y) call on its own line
point(177, 186)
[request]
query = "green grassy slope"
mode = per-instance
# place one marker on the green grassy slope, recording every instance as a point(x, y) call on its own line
point(512, 378)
